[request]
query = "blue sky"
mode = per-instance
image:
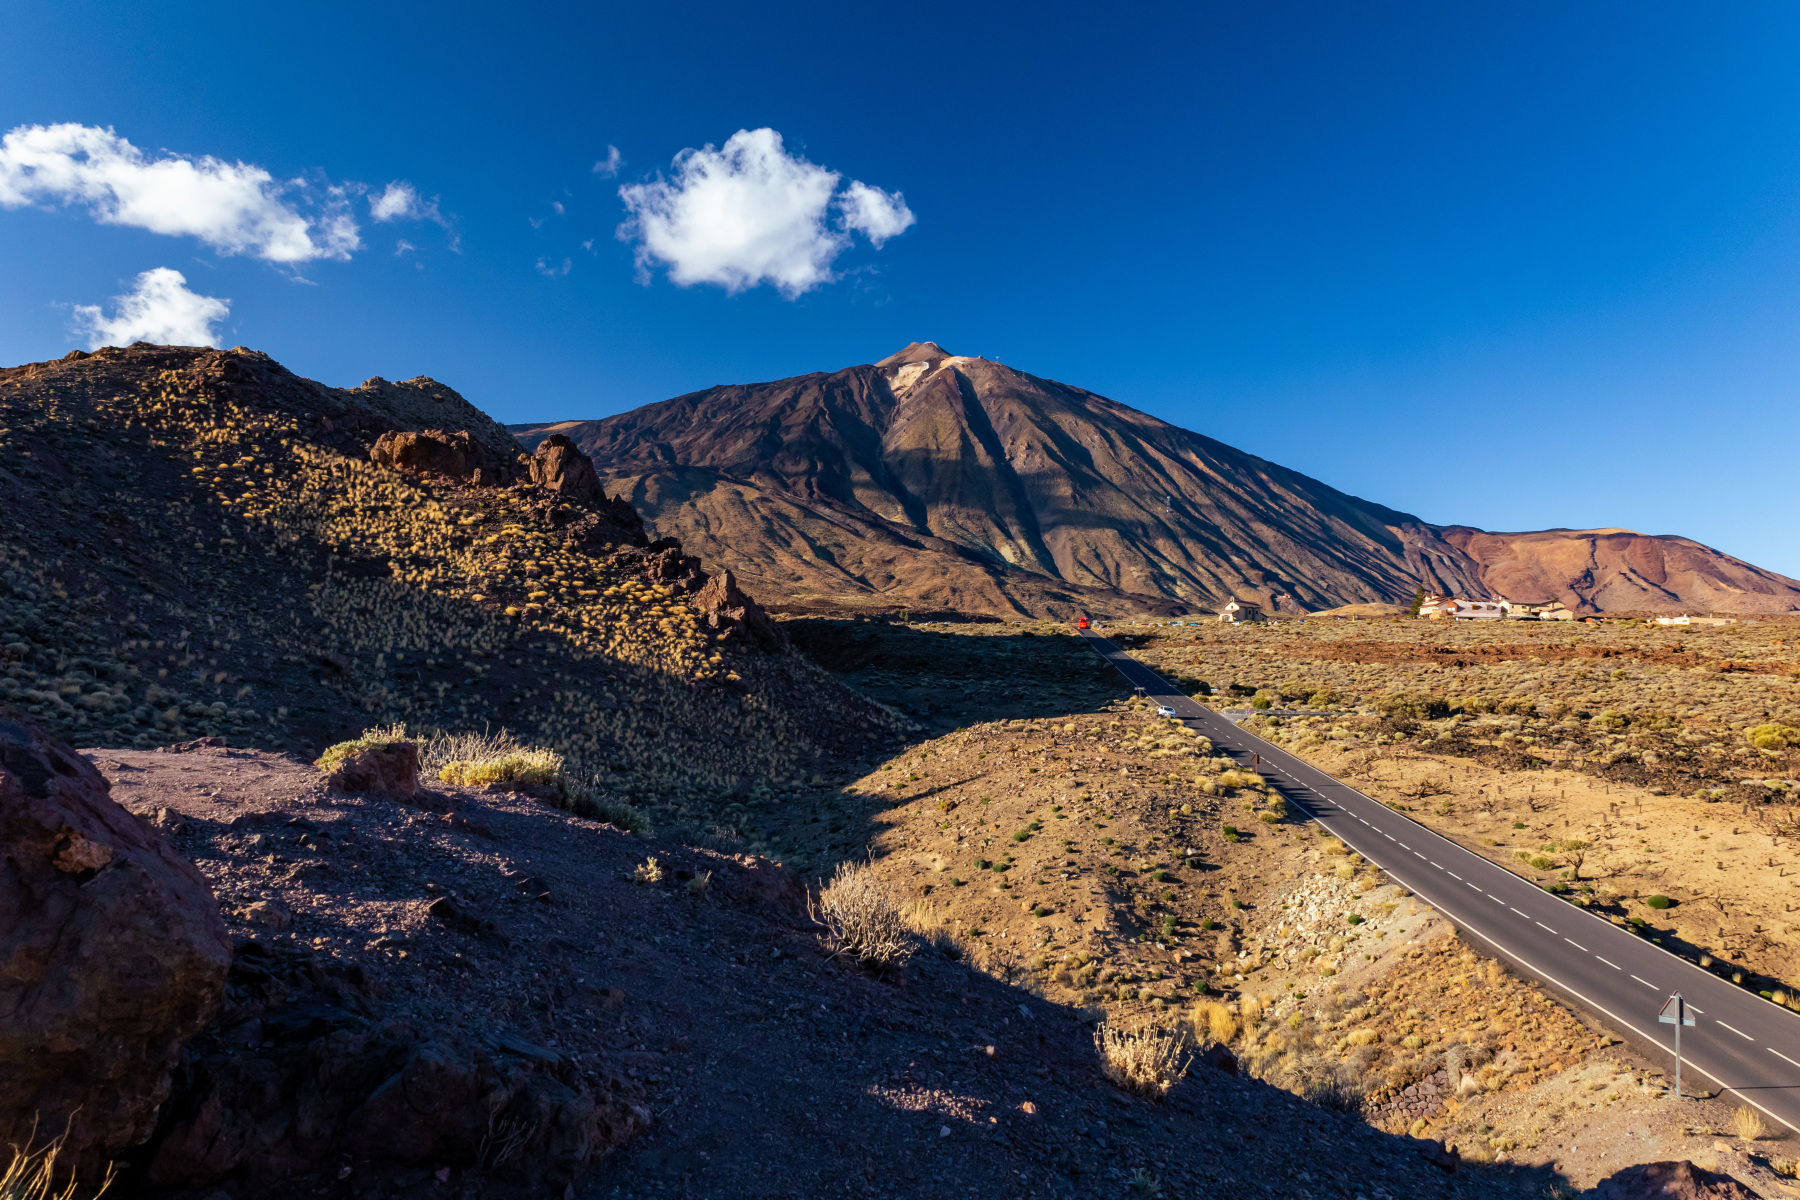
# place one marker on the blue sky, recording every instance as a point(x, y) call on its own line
point(1512, 265)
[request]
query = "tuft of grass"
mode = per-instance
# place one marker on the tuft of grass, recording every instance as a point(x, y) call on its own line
point(1747, 1123)
point(648, 871)
point(539, 768)
point(32, 1175)
point(861, 918)
point(1144, 1059)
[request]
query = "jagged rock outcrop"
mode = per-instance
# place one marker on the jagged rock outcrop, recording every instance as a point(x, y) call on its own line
point(453, 455)
point(557, 464)
point(727, 609)
point(112, 955)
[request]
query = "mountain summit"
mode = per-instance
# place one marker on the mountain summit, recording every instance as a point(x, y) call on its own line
point(933, 480)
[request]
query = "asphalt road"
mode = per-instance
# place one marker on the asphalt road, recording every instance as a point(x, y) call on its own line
point(1740, 1042)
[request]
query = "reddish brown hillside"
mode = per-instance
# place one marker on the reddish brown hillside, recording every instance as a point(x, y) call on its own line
point(1601, 570)
point(933, 480)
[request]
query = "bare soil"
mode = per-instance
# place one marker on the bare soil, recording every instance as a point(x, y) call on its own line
point(765, 1066)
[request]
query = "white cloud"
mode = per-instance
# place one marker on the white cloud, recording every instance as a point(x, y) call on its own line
point(236, 208)
point(400, 201)
point(609, 166)
point(549, 267)
point(159, 309)
point(876, 214)
point(750, 213)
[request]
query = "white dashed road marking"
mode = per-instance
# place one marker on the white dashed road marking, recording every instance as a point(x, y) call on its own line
point(1543, 926)
point(1646, 983)
point(1521, 914)
point(1614, 966)
point(1780, 1055)
point(1577, 945)
point(1739, 1032)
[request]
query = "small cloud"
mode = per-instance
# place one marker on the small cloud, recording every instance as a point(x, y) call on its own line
point(548, 268)
point(236, 208)
point(750, 213)
point(588, 245)
point(556, 206)
point(400, 201)
point(536, 222)
point(402, 246)
point(609, 166)
point(159, 309)
point(876, 214)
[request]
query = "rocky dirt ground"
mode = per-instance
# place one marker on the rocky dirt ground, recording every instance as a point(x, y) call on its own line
point(1082, 854)
point(690, 1029)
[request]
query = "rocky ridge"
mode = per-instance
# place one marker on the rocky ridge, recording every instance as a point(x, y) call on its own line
point(200, 543)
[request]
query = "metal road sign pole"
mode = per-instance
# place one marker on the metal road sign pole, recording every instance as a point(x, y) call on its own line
point(1675, 1012)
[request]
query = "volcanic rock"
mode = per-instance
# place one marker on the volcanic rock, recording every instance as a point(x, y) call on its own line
point(729, 611)
point(390, 770)
point(112, 954)
point(1670, 1181)
point(454, 455)
point(562, 468)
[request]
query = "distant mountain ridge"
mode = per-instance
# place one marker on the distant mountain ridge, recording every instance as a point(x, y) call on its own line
point(933, 480)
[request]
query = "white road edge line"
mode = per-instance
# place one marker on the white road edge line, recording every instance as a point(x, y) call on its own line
point(1739, 1032)
point(1614, 966)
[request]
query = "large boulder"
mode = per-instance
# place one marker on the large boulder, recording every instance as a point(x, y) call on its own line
point(302, 1068)
point(1670, 1181)
point(112, 954)
point(386, 769)
point(434, 452)
point(560, 466)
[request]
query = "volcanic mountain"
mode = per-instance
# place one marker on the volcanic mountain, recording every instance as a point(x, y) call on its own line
point(930, 480)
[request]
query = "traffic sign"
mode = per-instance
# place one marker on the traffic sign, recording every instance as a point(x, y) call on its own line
point(1676, 1012)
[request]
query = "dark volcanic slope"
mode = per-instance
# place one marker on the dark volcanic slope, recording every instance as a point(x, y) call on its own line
point(934, 480)
point(196, 543)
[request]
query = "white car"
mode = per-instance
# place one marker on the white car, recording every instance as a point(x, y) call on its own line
point(1163, 710)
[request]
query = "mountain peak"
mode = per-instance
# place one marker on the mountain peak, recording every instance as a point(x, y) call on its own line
point(916, 352)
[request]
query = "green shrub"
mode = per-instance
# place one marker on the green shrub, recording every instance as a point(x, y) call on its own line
point(1231, 833)
point(1353, 918)
point(1417, 705)
point(1772, 736)
point(1658, 901)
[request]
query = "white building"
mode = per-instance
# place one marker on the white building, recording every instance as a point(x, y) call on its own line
point(1437, 608)
point(1241, 612)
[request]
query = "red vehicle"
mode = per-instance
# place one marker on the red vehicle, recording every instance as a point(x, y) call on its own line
point(1081, 624)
